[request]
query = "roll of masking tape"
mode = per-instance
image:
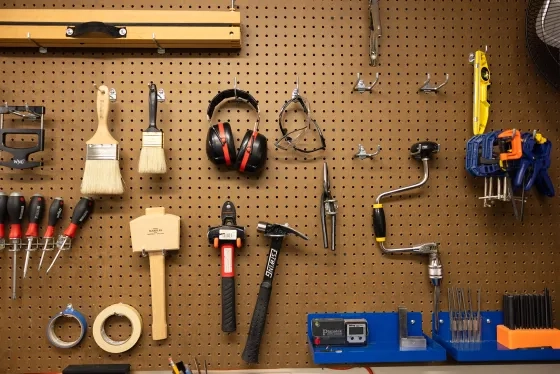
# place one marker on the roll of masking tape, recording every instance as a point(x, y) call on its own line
point(114, 346)
point(69, 312)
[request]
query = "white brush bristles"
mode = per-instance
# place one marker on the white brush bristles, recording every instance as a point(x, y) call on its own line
point(102, 177)
point(152, 161)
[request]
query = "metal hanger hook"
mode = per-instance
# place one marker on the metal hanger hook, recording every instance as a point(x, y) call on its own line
point(427, 88)
point(360, 85)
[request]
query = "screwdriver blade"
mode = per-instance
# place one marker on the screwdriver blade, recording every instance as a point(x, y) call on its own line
point(43, 254)
point(27, 256)
point(54, 260)
point(14, 270)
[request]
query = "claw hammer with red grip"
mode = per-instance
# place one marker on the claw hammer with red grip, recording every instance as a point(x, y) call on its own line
point(227, 237)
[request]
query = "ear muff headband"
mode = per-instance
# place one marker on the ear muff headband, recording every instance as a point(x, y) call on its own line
point(237, 95)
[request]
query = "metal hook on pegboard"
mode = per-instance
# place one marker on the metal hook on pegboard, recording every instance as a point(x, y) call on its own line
point(361, 86)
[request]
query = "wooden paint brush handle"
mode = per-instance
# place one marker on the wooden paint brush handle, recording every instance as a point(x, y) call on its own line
point(102, 134)
point(159, 312)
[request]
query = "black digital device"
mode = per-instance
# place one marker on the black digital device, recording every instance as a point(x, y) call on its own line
point(339, 331)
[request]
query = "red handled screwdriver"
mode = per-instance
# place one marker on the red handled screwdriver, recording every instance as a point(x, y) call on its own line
point(55, 212)
point(81, 212)
point(3, 216)
point(36, 210)
point(16, 209)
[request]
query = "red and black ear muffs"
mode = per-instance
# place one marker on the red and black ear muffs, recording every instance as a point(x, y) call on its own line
point(220, 145)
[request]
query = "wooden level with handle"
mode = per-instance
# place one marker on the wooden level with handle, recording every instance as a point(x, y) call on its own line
point(120, 28)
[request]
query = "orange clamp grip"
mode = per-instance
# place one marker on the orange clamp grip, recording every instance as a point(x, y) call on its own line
point(516, 150)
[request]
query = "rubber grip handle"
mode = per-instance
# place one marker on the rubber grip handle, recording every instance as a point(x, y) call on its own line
point(379, 224)
point(3, 207)
point(251, 352)
point(228, 304)
point(15, 208)
point(55, 211)
point(82, 211)
point(36, 210)
point(520, 175)
point(3, 212)
point(544, 185)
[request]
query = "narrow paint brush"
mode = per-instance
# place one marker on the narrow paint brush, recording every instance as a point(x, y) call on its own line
point(152, 155)
point(102, 173)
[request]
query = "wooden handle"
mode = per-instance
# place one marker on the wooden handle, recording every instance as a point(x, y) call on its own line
point(159, 312)
point(102, 134)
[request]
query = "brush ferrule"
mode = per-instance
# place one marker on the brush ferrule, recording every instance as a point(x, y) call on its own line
point(152, 139)
point(102, 152)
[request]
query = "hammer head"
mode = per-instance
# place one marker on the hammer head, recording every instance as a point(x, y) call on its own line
point(274, 230)
point(228, 232)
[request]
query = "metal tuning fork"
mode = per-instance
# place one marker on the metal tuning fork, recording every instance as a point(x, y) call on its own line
point(428, 88)
point(361, 86)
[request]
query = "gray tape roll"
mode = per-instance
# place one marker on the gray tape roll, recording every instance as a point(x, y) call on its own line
point(69, 312)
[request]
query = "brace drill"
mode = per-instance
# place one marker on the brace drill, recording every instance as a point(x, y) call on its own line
point(422, 151)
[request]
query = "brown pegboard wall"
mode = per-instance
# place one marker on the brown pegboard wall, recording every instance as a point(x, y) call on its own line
point(325, 43)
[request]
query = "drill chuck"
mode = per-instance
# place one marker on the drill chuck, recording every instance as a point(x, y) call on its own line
point(435, 269)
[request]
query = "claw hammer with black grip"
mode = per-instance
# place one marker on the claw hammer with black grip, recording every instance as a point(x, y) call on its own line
point(277, 233)
point(227, 237)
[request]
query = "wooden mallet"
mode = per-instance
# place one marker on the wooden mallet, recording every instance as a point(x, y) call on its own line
point(153, 234)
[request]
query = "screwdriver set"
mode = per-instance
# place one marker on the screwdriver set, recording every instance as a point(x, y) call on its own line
point(13, 209)
point(522, 331)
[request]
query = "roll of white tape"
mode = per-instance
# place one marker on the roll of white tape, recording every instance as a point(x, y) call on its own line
point(108, 344)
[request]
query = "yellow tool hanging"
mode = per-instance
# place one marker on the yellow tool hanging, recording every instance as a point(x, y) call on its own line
point(481, 106)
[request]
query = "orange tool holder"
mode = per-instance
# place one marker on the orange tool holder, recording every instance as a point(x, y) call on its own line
point(528, 338)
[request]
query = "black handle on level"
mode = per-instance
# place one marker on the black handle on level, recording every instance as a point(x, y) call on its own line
point(251, 351)
point(228, 304)
point(96, 27)
point(379, 224)
point(152, 108)
point(55, 211)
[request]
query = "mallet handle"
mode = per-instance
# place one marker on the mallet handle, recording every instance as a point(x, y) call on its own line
point(157, 278)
